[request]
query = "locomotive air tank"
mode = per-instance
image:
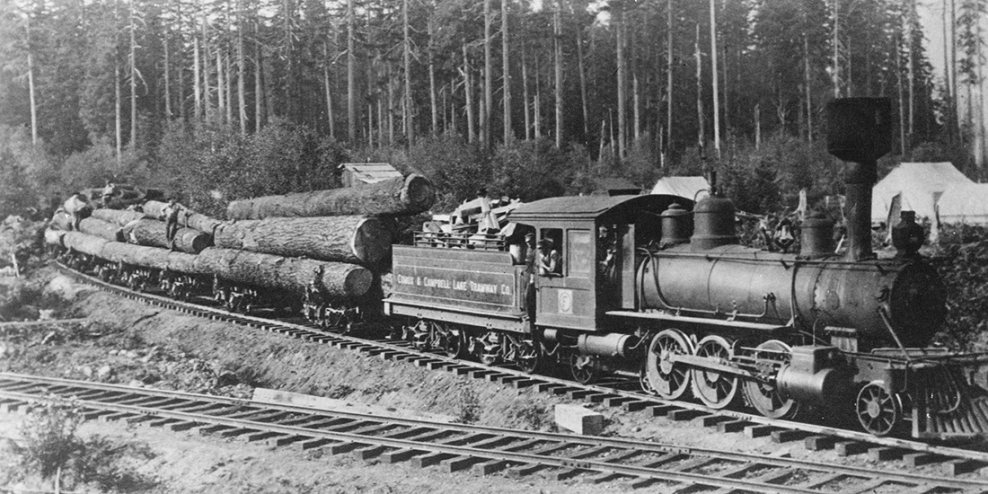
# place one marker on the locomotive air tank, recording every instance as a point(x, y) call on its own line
point(713, 276)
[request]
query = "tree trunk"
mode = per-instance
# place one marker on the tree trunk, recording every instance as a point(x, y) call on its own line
point(329, 95)
point(167, 71)
point(898, 77)
point(911, 70)
point(621, 82)
point(713, 74)
point(30, 87)
point(557, 41)
point(351, 77)
point(241, 71)
point(228, 65)
point(836, 43)
point(583, 86)
point(485, 113)
point(292, 274)
point(220, 89)
point(468, 94)
point(506, 73)
point(352, 239)
point(432, 77)
point(258, 85)
point(668, 75)
point(206, 100)
point(151, 233)
point(537, 101)
point(398, 196)
point(409, 104)
point(133, 80)
point(807, 84)
point(701, 137)
point(102, 229)
point(524, 93)
point(636, 102)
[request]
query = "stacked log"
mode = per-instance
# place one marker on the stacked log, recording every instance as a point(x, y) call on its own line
point(286, 273)
point(350, 239)
point(61, 220)
point(399, 196)
point(87, 244)
point(101, 229)
point(54, 237)
point(151, 233)
point(117, 217)
point(188, 218)
point(149, 257)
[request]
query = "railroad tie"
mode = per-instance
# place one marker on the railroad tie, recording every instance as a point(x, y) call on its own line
point(400, 455)
point(370, 452)
point(489, 467)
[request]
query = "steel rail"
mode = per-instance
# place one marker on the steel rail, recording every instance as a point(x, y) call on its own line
point(156, 399)
point(309, 333)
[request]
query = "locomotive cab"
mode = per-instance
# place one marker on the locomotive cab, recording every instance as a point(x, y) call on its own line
point(597, 239)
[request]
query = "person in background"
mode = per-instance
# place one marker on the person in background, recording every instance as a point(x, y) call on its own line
point(108, 192)
point(549, 263)
point(170, 215)
point(78, 207)
point(531, 270)
point(488, 223)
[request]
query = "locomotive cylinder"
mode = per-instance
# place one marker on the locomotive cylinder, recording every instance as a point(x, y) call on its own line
point(810, 376)
point(609, 345)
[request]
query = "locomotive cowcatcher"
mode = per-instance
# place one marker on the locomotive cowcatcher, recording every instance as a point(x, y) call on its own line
point(658, 288)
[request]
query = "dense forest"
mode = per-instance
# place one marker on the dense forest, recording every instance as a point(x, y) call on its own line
point(221, 99)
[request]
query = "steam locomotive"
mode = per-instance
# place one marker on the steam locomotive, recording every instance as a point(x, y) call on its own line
point(657, 288)
point(651, 289)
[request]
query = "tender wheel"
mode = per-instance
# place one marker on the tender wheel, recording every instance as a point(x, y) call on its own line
point(666, 378)
point(764, 396)
point(715, 389)
point(454, 344)
point(529, 356)
point(878, 411)
point(583, 369)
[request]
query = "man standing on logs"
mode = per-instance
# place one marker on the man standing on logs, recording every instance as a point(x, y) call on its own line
point(170, 215)
point(108, 192)
point(78, 207)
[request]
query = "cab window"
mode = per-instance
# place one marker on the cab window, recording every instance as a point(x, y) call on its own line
point(579, 258)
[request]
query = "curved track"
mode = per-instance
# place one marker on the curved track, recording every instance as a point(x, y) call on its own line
point(455, 447)
point(617, 393)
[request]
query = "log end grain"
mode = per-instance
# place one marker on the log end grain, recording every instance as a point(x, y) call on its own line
point(418, 193)
point(372, 242)
point(358, 282)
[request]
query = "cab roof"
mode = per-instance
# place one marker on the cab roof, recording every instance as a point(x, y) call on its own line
point(594, 207)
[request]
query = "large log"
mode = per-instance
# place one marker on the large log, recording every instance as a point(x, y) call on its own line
point(87, 244)
point(398, 196)
point(150, 257)
point(117, 216)
point(188, 218)
point(61, 220)
point(286, 273)
point(101, 229)
point(151, 233)
point(350, 239)
point(54, 237)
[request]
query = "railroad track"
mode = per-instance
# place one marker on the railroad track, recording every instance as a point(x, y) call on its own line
point(457, 447)
point(953, 461)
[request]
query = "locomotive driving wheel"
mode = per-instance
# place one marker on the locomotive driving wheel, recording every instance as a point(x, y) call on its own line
point(715, 389)
point(764, 396)
point(878, 411)
point(666, 378)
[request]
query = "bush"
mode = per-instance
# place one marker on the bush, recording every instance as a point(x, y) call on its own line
point(52, 447)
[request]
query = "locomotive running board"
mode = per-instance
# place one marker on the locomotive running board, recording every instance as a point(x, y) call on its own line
point(660, 316)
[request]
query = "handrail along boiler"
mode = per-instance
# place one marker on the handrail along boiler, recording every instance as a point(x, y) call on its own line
point(659, 288)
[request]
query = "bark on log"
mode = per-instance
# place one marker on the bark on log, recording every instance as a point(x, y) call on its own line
point(151, 233)
point(101, 229)
point(188, 219)
point(337, 280)
point(61, 220)
point(150, 257)
point(350, 239)
point(54, 237)
point(398, 196)
point(87, 244)
point(117, 217)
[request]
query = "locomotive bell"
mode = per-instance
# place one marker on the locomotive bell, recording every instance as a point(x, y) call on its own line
point(714, 220)
point(817, 233)
point(675, 226)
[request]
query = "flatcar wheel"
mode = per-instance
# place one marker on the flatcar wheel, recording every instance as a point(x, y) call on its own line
point(715, 389)
point(582, 368)
point(454, 344)
point(764, 396)
point(529, 357)
point(665, 377)
point(878, 411)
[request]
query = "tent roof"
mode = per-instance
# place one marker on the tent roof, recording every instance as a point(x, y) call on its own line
point(964, 204)
point(692, 188)
point(919, 186)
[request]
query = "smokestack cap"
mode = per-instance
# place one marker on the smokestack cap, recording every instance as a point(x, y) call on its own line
point(859, 129)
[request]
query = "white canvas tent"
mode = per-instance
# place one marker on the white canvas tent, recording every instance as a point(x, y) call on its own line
point(964, 204)
point(919, 187)
point(692, 188)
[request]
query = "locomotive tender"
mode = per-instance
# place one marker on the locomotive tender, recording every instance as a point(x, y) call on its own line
point(649, 289)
